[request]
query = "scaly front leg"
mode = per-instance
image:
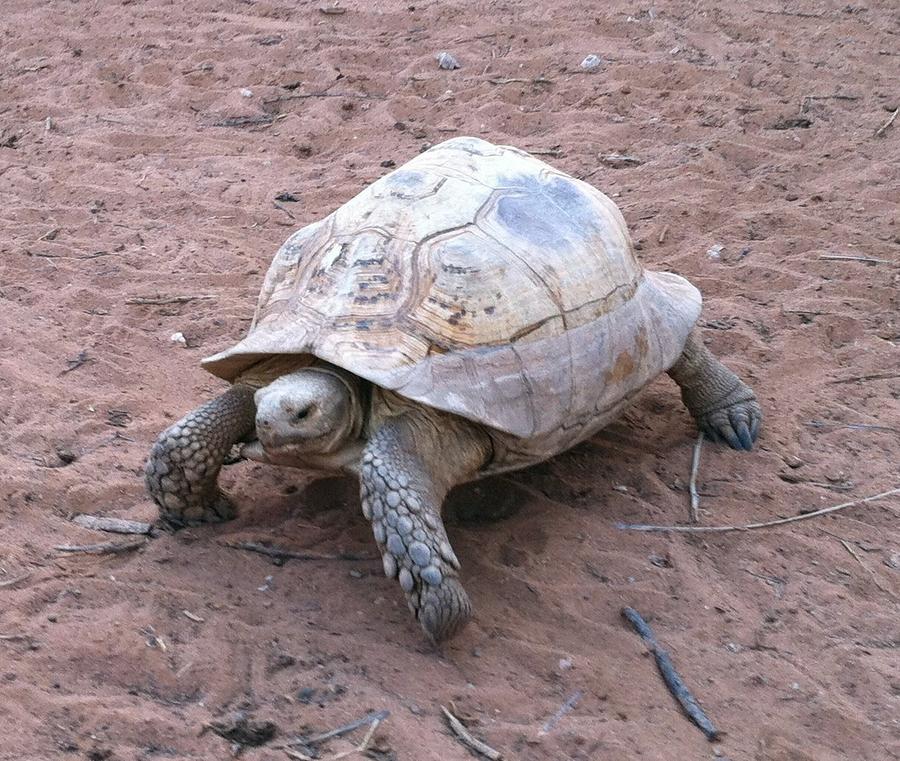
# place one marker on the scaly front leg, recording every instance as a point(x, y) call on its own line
point(407, 468)
point(185, 461)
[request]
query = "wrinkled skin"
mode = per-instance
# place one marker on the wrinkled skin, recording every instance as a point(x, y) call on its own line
point(407, 457)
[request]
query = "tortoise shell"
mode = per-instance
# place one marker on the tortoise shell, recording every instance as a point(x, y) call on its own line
point(478, 280)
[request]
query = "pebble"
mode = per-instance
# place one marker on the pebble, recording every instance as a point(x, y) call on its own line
point(591, 63)
point(446, 61)
point(715, 252)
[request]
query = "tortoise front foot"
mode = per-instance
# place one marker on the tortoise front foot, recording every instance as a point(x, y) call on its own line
point(404, 478)
point(725, 408)
point(184, 463)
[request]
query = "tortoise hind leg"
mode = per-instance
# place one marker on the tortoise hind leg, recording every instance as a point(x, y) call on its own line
point(408, 466)
point(722, 404)
point(184, 463)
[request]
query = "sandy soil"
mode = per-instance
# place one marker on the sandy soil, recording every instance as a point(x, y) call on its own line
point(754, 129)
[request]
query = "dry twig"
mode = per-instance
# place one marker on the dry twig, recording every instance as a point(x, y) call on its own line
point(13, 582)
point(278, 553)
point(565, 708)
point(844, 258)
point(156, 300)
point(112, 525)
point(670, 676)
point(472, 742)
point(881, 130)
point(692, 484)
point(304, 95)
point(309, 743)
point(849, 548)
point(102, 548)
point(752, 526)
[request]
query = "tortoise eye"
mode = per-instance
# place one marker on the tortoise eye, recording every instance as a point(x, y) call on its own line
point(303, 413)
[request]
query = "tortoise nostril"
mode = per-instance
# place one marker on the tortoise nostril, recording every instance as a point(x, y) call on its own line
point(264, 423)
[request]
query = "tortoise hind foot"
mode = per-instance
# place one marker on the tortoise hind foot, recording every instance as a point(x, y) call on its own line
point(184, 463)
point(725, 408)
point(736, 422)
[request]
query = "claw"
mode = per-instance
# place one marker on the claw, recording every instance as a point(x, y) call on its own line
point(755, 420)
point(743, 433)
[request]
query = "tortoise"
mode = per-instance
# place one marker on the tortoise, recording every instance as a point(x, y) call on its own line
point(474, 311)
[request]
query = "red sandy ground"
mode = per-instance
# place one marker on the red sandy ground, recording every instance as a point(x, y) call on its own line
point(115, 183)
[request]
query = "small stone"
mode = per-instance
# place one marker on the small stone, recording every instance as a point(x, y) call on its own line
point(432, 575)
point(565, 664)
point(406, 580)
point(420, 554)
point(715, 252)
point(246, 92)
point(591, 62)
point(446, 61)
point(355, 574)
point(178, 338)
point(66, 455)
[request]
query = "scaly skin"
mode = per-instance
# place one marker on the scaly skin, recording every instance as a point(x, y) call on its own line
point(408, 466)
point(721, 403)
point(184, 463)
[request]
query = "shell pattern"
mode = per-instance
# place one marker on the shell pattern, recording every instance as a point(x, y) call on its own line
point(480, 281)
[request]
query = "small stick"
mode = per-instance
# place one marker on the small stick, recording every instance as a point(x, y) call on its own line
point(844, 258)
point(245, 121)
point(852, 426)
point(692, 484)
point(472, 742)
point(103, 548)
point(112, 525)
point(154, 300)
point(799, 14)
point(662, 235)
point(880, 131)
point(849, 548)
point(14, 637)
point(277, 552)
point(670, 676)
point(86, 257)
point(565, 708)
point(871, 376)
point(74, 364)
point(304, 95)
point(361, 748)
point(376, 716)
point(752, 526)
point(513, 80)
point(13, 582)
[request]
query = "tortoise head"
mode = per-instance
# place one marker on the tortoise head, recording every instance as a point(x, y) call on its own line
point(316, 410)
